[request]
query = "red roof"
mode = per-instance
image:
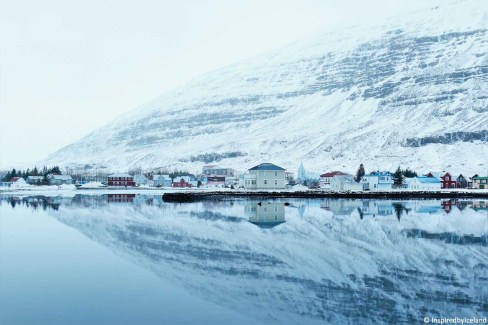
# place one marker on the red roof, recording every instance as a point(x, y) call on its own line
point(334, 173)
point(15, 179)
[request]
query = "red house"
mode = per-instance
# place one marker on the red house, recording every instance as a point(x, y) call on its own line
point(447, 181)
point(184, 181)
point(122, 180)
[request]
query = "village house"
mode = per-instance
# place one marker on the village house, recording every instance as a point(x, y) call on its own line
point(121, 180)
point(17, 182)
point(228, 174)
point(447, 181)
point(162, 181)
point(59, 179)
point(35, 180)
point(424, 183)
point(182, 181)
point(480, 182)
point(326, 178)
point(461, 181)
point(141, 179)
point(215, 181)
point(265, 176)
point(342, 183)
point(378, 181)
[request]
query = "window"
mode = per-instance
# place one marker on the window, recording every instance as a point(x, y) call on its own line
point(276, 182)
point(276, 173)
point(265, 182)
point(253, 182)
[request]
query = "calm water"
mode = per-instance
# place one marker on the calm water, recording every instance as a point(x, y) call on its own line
point(134, 259)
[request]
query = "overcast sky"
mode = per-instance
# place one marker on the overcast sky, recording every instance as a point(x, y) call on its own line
point(69, 67)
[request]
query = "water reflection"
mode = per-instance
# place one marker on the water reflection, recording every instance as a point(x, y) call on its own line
point(336, 261)
point(265, 214)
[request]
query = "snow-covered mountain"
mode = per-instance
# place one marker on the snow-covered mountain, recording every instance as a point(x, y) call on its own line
point(411, 91)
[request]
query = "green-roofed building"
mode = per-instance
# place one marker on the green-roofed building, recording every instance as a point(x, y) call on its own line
point(480, 182)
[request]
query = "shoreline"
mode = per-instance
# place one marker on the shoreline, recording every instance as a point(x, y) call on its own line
point(405, 195)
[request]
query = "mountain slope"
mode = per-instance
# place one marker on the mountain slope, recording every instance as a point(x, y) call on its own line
point(410, 91)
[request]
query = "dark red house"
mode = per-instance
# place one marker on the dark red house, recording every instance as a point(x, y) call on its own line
point(122, 180)
point(182, 181)
point(447, 181)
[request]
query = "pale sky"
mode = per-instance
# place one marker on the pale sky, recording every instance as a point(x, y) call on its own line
point(69, 67)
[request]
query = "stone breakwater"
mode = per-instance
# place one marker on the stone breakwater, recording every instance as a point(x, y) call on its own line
point(223, 195)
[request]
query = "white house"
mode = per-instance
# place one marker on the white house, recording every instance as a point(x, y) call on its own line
point(377, 181)
point(60, 179)
point(345, 183)
point(162, 181)
point(140, 179)
point(17, 182)
point(33, 180)
point(265, 176)
point(424, 183)
point(326, 178)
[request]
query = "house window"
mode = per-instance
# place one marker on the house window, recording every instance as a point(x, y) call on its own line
point(253, 182)
point(265, 182)
point(276, 182)
point(276, 173)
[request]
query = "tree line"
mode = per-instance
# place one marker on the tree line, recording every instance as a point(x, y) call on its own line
point(32, 172)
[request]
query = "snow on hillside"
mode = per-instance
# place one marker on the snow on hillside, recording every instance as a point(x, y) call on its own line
point(412, 90)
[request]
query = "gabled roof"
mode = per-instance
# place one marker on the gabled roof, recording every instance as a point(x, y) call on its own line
point(266, 166)
point(15, 179)
point(478, 178)
point(120, 175)
point(62, 177)
point(334, 173)
point(427, 179)
point(378, 173)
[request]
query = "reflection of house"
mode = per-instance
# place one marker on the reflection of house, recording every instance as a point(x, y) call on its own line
point(480, 182)
point(59, 179)
point(424, 183)
point(377, 181)
point(120, 180)
point(480, 205)
point(265, 176)
point(378, 208)
point(345, 183)
point(121, 197)
point(326, 178)
point(341, 207)
point(265, 214)
point(447, 205)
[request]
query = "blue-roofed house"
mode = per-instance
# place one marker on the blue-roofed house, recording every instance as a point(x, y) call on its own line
point(378, 181)
point(265, 176)
point(424, 183)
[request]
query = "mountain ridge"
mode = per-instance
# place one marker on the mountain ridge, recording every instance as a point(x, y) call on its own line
point(393, 95)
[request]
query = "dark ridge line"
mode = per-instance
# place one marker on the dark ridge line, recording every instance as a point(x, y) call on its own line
point(200, 196)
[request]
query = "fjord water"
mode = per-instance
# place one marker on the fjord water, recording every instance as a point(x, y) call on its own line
point(130, 258)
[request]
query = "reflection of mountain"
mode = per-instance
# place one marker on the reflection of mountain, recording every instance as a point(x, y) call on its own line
point(320, 268)
point(265, 214)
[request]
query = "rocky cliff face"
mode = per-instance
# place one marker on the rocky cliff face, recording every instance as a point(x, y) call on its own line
point(411, 91)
